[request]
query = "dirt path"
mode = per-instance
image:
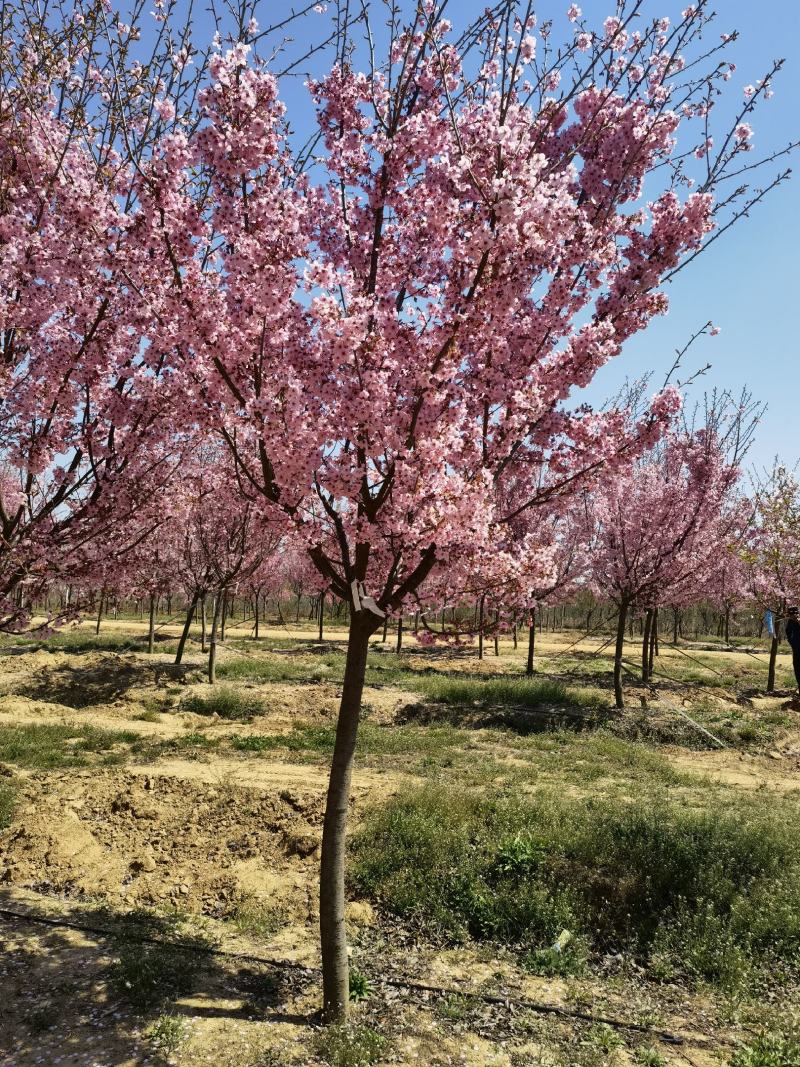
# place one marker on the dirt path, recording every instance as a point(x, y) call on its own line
point(780, 773)
point(269, 775)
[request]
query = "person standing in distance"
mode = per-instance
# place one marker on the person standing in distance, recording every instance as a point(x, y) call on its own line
point(793, 637)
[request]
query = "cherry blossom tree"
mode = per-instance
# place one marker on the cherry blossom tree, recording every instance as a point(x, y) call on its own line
point(772, 552)
point(385, 327)
point(662, 529)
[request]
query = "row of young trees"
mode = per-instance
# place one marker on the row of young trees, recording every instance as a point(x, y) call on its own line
point(220, 341)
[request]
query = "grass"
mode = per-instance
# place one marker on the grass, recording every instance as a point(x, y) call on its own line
point(45, 746)
point(509, 692)
point(435, 685)
point(372, 740)
point(258, 919)
point(149, 973)
point(774, 1049)
point(225, 702)
point(647, 1056)
point(266, 669)
point(69, 640)
point(479, 757)
point(349, 1045)
point(708, 896)
point(167, 1034)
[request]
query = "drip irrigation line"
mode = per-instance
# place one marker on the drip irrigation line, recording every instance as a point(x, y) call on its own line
point(699, 662)
point(672, 707)
point(539, 1007)
point(587, 633)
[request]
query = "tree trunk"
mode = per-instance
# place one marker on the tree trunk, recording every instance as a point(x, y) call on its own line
point(186, 627)
point(653, 642)
point(385, 628)
point(151, 630)
point(648, 622)
point(622, 618)
point(203, 646)
point(773, 656)
point(497, 633)
point(531, 641)
point(212, 645)
point(514, 635)
point(480, 628)
point(256, 602)
point(727, 624)
point(399, 634)
point(321, 614)
point(99, 614)
point(224, 616)
point(333, 933)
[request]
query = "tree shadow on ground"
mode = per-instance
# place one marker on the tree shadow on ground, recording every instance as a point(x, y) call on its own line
point(84, 686)
point(79, 993)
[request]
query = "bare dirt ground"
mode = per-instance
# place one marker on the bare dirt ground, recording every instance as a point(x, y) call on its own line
point(228, 841)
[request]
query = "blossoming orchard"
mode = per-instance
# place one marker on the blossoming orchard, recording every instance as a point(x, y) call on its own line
point(365, 550)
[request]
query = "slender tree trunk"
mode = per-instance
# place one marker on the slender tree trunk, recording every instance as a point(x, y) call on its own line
point(727, 624)
point(256, 601)
point(648, 622)
point(333, 933)
point(497, 633)
point(480, 628)
point(399, 634)
point(151, 630)
point(186, 627)
point(416, 623)
point(385, 628)
point(321, 614)
point(99, 613)
point(514, 634)
point(653, 642)
point(531, 641)
point(203, 644)
point(773, 656)
point(619, 650)
point(212, 645)
point(224, 616)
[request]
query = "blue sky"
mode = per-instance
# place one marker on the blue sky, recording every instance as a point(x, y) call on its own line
point(747, 283)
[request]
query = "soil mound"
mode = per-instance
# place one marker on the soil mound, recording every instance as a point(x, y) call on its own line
point(149, 840)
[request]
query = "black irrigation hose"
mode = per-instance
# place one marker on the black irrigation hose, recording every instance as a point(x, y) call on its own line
point(490, 998)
